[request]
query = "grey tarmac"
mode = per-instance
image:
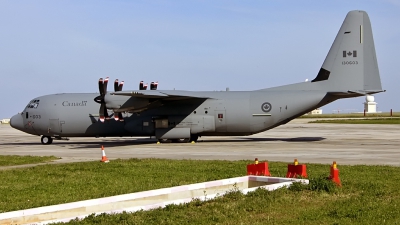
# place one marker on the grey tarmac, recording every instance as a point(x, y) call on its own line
point(309, 143)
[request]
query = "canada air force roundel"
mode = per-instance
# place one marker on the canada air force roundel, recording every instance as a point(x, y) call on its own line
point(266, 107)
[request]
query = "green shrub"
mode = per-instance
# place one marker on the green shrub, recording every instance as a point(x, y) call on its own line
point(322, 184)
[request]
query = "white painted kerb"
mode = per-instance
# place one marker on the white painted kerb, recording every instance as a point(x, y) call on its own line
point(17, 215)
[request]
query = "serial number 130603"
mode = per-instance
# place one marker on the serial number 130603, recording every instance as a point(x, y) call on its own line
point(349, 62)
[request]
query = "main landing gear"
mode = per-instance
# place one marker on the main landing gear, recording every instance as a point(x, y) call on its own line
point(193, 137)
point(46, 140)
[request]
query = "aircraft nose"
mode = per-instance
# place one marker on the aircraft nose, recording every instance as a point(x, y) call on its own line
point(17, 122)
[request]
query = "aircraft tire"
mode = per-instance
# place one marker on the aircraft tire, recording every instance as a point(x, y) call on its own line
point(46, 140)
point(165, 140)
point(182, 140)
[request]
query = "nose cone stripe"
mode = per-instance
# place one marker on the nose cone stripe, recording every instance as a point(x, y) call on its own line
point(17, 122)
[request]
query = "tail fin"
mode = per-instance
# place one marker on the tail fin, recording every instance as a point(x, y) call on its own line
point(351, 64)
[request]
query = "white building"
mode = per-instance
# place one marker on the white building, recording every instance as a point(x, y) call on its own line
point(4, 121)
point(370, 104)
point(316, 111)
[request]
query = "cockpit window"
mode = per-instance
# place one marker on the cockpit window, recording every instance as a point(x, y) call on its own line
point(33, 104)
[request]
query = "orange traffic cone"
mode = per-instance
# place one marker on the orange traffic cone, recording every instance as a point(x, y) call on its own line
point(104, 158)
point(335, 174)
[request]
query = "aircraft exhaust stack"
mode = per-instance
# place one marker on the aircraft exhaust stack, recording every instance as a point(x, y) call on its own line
point(141, 86)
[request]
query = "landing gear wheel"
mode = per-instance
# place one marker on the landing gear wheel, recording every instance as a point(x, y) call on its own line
point(182, 140)
point(165, 140)
point(46, 140)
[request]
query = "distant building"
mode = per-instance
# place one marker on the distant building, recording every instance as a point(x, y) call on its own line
point(315, 111)
point(5, 121)
point(370, 104)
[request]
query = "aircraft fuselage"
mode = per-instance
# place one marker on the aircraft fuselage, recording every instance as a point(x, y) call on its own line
point(224, 113)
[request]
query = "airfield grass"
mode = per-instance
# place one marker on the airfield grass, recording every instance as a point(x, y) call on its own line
point(352, 115)
point(361, 121)
point(12, 160)
point(370, 194)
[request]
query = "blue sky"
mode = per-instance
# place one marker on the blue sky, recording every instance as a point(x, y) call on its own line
point(51, 47)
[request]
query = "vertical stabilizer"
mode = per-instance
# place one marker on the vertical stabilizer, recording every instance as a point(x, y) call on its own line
point(351, 63)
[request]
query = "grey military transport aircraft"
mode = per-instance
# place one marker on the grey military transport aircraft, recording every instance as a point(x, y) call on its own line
point(349, 70)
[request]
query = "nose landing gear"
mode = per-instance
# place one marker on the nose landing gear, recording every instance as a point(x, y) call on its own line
point(46, 140)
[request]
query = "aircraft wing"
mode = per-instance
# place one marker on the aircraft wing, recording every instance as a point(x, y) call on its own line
point(165, 95)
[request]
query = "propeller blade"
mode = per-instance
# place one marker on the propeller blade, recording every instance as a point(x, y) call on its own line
point(105, 85)
point(101, 86)
point(106, 113)
point(141, 85)
point(120, 86)
point(116, 116)
point(101, 112)
point(145, 87)
point(116, 85)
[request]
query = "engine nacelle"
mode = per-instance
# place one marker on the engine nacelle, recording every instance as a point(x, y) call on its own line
point(120, 103)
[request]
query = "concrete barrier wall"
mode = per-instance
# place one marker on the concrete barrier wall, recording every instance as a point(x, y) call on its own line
point(142, 200)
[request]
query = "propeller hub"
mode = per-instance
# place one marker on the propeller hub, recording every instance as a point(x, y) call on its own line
point(99, 99)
